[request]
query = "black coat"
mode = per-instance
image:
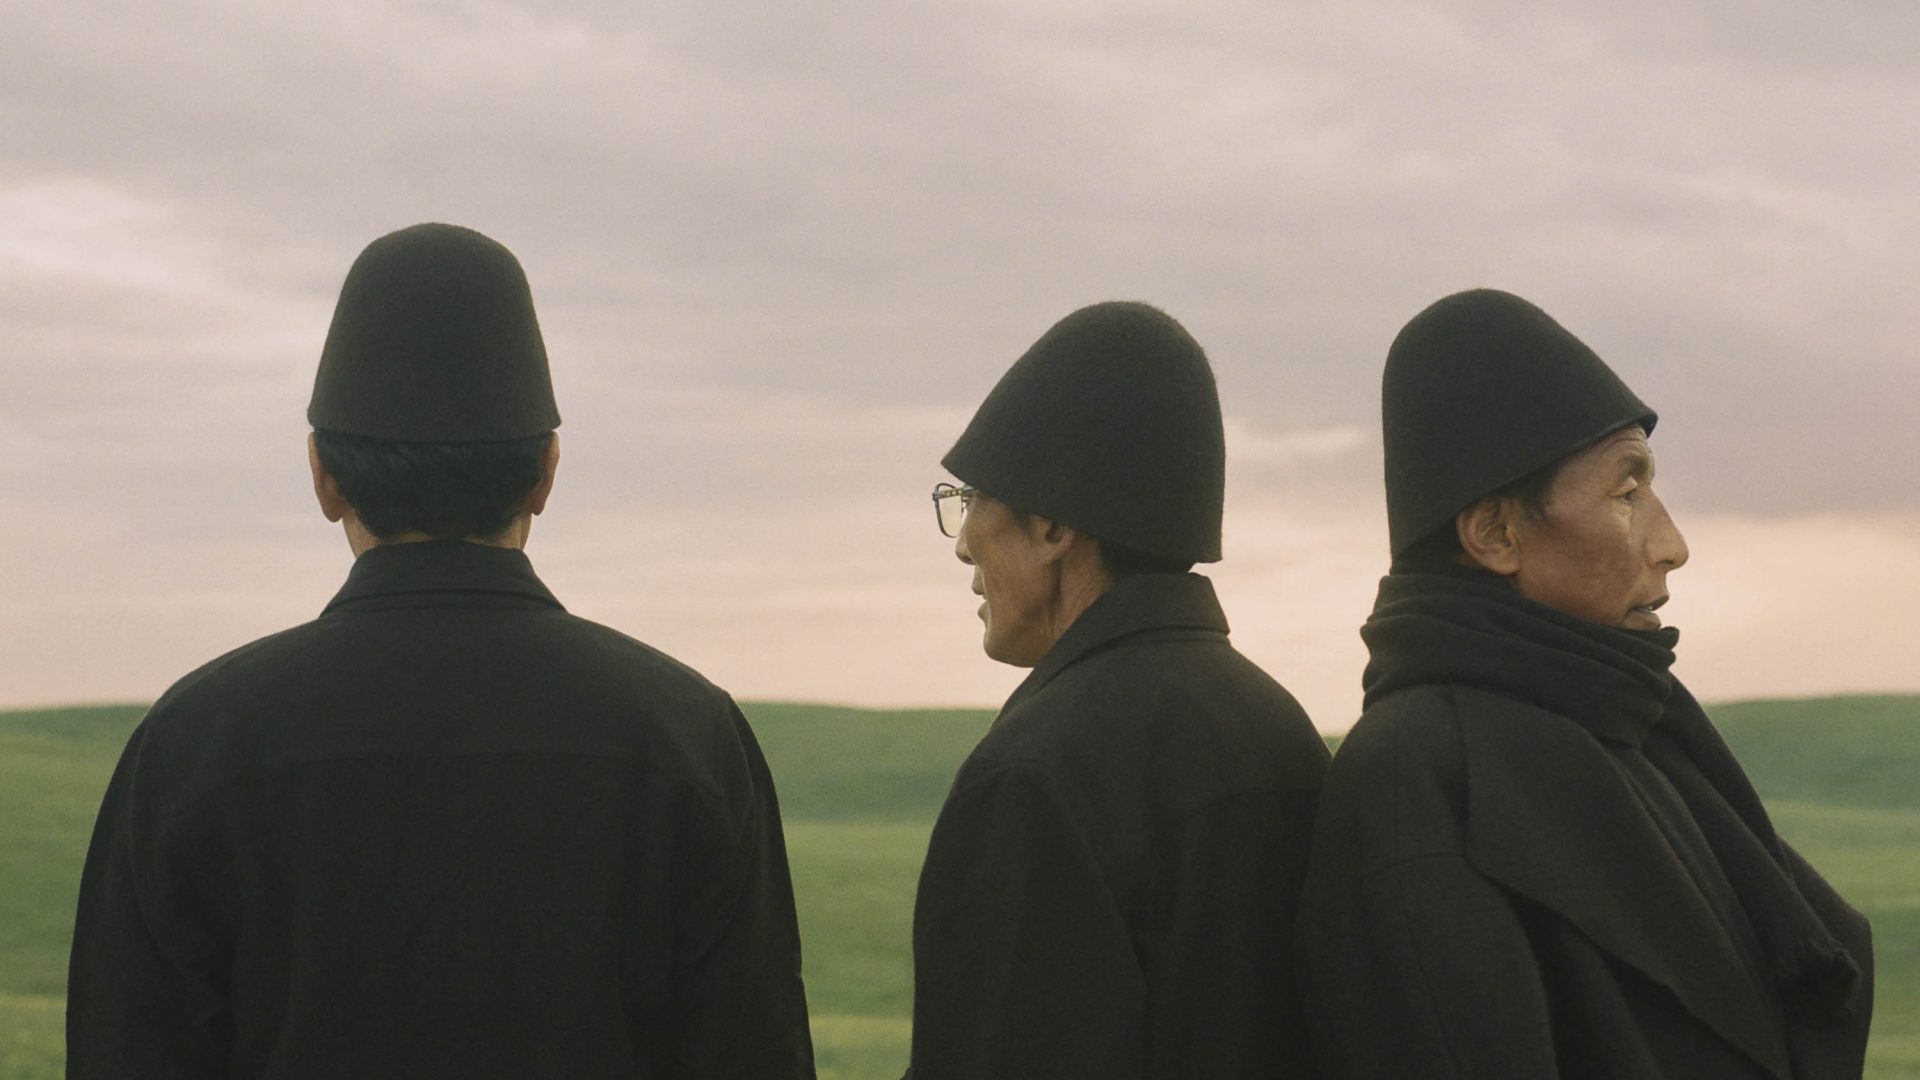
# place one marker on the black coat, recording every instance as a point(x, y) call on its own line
point(446, 829)
point(1109, 886)
point(1536, 859)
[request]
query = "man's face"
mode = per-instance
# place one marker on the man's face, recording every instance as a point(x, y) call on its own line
point(1604, 545)
point(1011, 571)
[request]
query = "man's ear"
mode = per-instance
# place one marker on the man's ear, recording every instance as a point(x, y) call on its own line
point(326, 490)
point(1053, 538)
point(1488, 534)
point(549, 464)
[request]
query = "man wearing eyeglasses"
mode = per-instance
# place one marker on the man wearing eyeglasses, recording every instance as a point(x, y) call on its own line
point(1110, 887)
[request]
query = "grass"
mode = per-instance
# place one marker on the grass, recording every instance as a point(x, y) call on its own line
point(53, 766)
point(1845, 751)
point(859, 790)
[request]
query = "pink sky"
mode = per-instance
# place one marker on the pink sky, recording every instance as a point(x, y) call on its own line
point(780, 256)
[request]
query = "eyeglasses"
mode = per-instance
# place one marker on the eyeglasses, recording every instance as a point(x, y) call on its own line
point(950, 506)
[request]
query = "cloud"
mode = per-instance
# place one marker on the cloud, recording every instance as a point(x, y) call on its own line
point(781, 253)
point(1249, 446)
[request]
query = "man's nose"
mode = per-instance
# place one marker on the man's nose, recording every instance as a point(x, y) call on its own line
point(1667, 547)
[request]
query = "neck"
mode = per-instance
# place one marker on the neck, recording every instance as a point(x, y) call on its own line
point(362, 540)
point(1081, 583)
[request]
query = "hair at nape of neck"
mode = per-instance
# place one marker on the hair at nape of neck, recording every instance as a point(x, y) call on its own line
point(446, 490)
point(1121, 561)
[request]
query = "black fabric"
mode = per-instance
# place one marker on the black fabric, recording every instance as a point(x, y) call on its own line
point(1108, 890)
point(1111, 424)
point(434, 339)
point(1481, 389)
point(446, 829)
point(1536, 858)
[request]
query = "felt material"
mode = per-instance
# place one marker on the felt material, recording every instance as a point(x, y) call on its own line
point(1535, 857)
point(1110, 423)
point(446, 829)
point(434, 339)
point(1481, 389)
point(1108, 890)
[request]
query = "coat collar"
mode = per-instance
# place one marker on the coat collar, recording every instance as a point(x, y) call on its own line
point(401, 575)
point(1134, 605)
point(1554, 819)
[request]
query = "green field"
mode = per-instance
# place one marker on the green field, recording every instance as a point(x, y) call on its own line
point(859, 791)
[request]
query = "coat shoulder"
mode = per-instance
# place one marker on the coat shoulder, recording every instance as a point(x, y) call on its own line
point(562, 646)
point(1138, 736)
point(1157, 697)
point(598, 645)
point(1416, 730)
point(1397, 787)
point(435, 683)
point(218, 678)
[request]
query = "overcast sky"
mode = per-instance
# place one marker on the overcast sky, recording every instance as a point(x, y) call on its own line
point(781, 251)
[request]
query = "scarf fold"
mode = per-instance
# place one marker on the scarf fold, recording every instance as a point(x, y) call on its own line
point(1459, 625)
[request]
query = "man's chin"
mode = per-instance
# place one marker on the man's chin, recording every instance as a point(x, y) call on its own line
point(1001, 652)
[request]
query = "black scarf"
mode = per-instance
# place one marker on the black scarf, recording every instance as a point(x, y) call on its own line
point(1447, 624)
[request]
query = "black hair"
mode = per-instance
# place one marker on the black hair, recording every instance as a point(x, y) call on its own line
point(1442, 545)
point(1122, 561)
point(449, 491)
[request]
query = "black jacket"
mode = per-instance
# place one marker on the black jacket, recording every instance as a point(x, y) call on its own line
point(1536, 859)
point(1109, 886)
point(446, 829)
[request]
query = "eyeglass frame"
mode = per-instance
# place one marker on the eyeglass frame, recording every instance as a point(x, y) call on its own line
point(944, 490)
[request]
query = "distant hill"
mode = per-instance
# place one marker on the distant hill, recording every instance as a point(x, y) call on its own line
point(843, 762)
point(1845, 751)
point(835, 763)
point(78, 723)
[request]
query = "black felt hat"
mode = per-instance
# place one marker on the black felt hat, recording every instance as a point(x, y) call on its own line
point(1111, 424)
point(434, 340)
point(1481, 389)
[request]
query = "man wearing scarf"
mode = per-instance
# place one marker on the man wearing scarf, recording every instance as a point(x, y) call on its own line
point(1535, 856)
point(1110, 886)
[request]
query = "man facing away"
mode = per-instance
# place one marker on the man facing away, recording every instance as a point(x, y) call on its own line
point(1109, 888)
point(445, 829)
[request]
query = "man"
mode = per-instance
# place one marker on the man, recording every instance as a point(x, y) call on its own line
point(1535, 855)
point(446, 829)
point(1108, 890)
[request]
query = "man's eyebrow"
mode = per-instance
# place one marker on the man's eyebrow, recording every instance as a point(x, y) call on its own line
point(1637, 463)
